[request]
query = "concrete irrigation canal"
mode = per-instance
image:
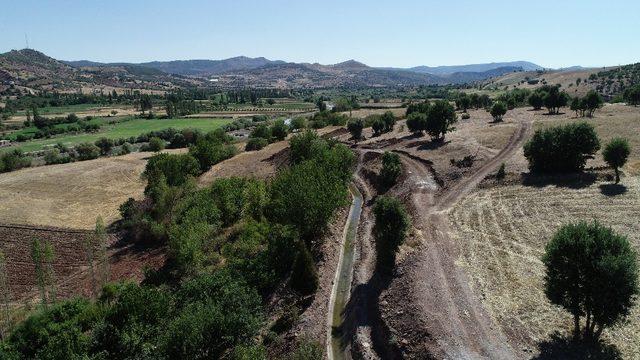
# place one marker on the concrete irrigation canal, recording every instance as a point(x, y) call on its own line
point(342, 283)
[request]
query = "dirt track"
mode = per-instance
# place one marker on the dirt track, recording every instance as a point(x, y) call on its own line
point(434, 312)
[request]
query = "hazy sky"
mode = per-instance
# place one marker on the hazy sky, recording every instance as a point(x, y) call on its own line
point(555, 33)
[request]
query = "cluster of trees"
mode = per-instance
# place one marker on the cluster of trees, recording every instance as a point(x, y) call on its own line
point(345, 104)
point(632, 95)
point(230, 245)
point(550, 97)
point(567, 148)
point(327, 118)
point(592, 272)
point(263, 135)
point(561, 148)
point(435, 119)
point(177, 105)
point(380, 123)
point(587, 105)
point(466, 101)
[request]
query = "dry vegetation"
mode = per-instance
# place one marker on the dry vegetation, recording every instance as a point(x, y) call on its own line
point(71, 195)
point(501, 233)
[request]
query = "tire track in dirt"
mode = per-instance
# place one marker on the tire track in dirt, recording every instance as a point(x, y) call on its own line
point(440, 315)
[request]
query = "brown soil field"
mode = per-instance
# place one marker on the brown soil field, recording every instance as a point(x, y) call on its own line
point(501, 232)
point(70, 265)
point(71, 195)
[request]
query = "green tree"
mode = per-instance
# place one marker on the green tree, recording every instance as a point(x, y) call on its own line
point(417, 123)
point(145, 103)
point(391, 169)
point(279, 130)
point(553, 98)
point(536, 100)
point(377, 126)
point(175, 168)
point(440, 120)
point(87, 151)
point(261, 131)
point(391, 225)
point(304, 276)
point(592, 101)
point(561, 148)
point(591, 272)
point(463, 102)
point(615, 153)
point(389, 121)
point(355, 127)
point(498, 109)
point(255, 144)
point(632, 95)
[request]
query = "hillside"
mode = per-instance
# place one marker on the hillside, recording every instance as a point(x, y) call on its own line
point(475, 68)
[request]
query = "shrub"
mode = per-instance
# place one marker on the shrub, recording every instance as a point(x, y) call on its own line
point(501, 173)
point(13, 160)
point(632, 95)
point(126, 148)
point(87, 151)
point(391, 169)
point(378, 127)
point(210, 151)
point(105, 145)
point(256, 144)
point(615, 154)
point(562, 148)
point(261, 131)
point(465, 116)
point(156, 144)
point(298, 123)
point(498, 109)
point(591, 271)
point(391, 225)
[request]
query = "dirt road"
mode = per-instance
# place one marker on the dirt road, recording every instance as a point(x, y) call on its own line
point(435, 312)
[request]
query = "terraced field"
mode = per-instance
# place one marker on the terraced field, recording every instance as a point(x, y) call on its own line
point(501, 233)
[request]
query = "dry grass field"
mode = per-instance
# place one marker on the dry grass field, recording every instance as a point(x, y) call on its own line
point(71, 195)
point(364, 112)
point(501, 233)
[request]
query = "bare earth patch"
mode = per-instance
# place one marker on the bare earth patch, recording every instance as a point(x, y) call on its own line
point(501, 233)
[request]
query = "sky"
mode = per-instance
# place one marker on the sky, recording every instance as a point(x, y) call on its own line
point(399, 33)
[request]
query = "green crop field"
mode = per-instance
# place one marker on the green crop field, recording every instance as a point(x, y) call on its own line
point(123, 129)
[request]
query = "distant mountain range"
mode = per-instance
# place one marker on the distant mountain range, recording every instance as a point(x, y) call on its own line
point(34, 69)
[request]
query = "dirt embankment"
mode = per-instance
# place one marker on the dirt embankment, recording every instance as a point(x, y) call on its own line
point(428, 309)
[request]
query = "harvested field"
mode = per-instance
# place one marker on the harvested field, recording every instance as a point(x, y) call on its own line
point(71, 195)
point(501, 233)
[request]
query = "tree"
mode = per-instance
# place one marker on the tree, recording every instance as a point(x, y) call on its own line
point(391, 169)
point(463, 102)
point(261, 131)
point(391, 225)
point(440, 118)
point(355, 127)
point(561, 148)
point(145, 103)
point(42, 256)
point(592, 272)
point(105, 145)
point(591, 102)
point(615, 153)
point(377, 126)
point(632, 95)
point(304, 276)
point(417, 122)
point(210, 151)
point(279, 130)
point(553, 98)
point(255, 144)
point(577, 105)
point(389, 121)
point(536, 101)
point(175, 168)
point(498, 109)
